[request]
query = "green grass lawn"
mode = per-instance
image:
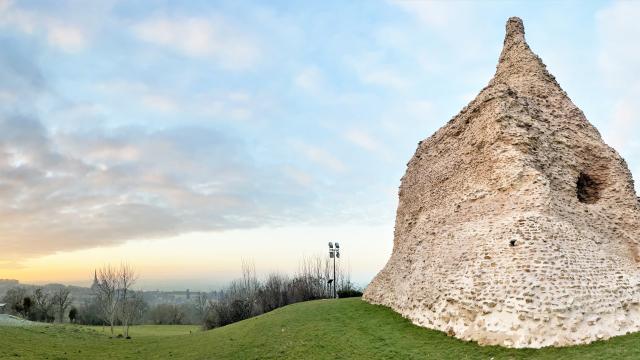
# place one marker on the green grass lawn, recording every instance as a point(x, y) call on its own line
point(324, 329)
point(145, 330)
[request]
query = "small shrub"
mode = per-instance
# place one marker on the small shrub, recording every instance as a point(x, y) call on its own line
point(349, 293)
point(73, 314)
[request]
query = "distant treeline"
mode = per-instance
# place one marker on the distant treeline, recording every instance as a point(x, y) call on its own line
point(115, 303)
point(40, 304)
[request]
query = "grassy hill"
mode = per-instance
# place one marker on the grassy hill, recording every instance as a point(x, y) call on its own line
point(324, 329)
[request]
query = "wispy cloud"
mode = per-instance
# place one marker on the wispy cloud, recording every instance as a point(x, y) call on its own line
point(21, 80)
point(159, 102)
point(372, 70)
point(68, 191)
point(362, 139)
point(71, 189)
point(63, 35)
point(320, 156)
point(230, 105)
point(152, 98)
point(310, 79)
point(66, 37)
point(437, 14)
point(210, 37)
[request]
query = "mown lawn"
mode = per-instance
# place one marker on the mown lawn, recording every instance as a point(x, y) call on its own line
point(324, 329)
point(144, 330)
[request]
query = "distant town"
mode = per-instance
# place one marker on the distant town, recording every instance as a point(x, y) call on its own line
point(82, 295)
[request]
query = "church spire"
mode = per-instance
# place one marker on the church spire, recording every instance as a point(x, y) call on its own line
point(95, 279)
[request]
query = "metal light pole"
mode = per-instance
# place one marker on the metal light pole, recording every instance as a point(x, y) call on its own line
point(334, 252)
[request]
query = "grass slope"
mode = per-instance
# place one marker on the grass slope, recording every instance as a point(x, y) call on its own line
point(146, 330)
point(9, 320)
point(324, 329)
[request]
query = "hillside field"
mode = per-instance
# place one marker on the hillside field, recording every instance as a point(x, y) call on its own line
point(323, 329)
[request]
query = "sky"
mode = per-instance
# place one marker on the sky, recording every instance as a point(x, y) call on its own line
point(186, 137)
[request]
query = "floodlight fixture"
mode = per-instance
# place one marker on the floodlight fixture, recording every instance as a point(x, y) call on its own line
point(334, 252)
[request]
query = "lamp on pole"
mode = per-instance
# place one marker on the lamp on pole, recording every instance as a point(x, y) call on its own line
point(334, 252)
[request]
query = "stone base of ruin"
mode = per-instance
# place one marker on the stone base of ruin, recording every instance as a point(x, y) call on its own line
point(486, 307)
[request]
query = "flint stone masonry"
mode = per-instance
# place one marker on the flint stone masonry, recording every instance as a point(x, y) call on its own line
point(517, 225)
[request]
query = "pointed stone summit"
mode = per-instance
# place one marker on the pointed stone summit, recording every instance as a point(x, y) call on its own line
point(517, 225)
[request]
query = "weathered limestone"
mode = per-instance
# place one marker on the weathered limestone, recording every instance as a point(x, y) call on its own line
point(517, 225)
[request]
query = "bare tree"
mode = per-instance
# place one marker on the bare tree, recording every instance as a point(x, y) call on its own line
point(129, 303)
point(42, 305)
point(61, 300)
point(140, 309)
point(250, 283)
point(133, 307)
point(14, 298)
point(107, 294)
point(274, 292)
point(344, 284)
point(40, 299)
point(311, 280)
point(202, 306)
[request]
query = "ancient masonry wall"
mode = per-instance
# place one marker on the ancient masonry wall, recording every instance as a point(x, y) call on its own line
point(516, 224)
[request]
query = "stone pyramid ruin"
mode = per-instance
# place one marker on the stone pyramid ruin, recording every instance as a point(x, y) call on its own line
point(516, 225)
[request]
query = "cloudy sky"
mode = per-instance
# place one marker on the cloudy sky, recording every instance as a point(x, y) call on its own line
point(184, 137)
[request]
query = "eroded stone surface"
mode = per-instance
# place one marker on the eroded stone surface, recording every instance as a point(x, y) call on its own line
point(517, 225)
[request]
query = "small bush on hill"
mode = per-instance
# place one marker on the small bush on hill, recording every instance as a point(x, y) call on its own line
point(73, 314)
point(349, 293)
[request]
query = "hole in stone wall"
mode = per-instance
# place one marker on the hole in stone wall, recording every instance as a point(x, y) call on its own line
point(512, 243)
point(587, 189)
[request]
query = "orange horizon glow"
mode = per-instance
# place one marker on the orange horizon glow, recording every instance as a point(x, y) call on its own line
point(212, 258)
